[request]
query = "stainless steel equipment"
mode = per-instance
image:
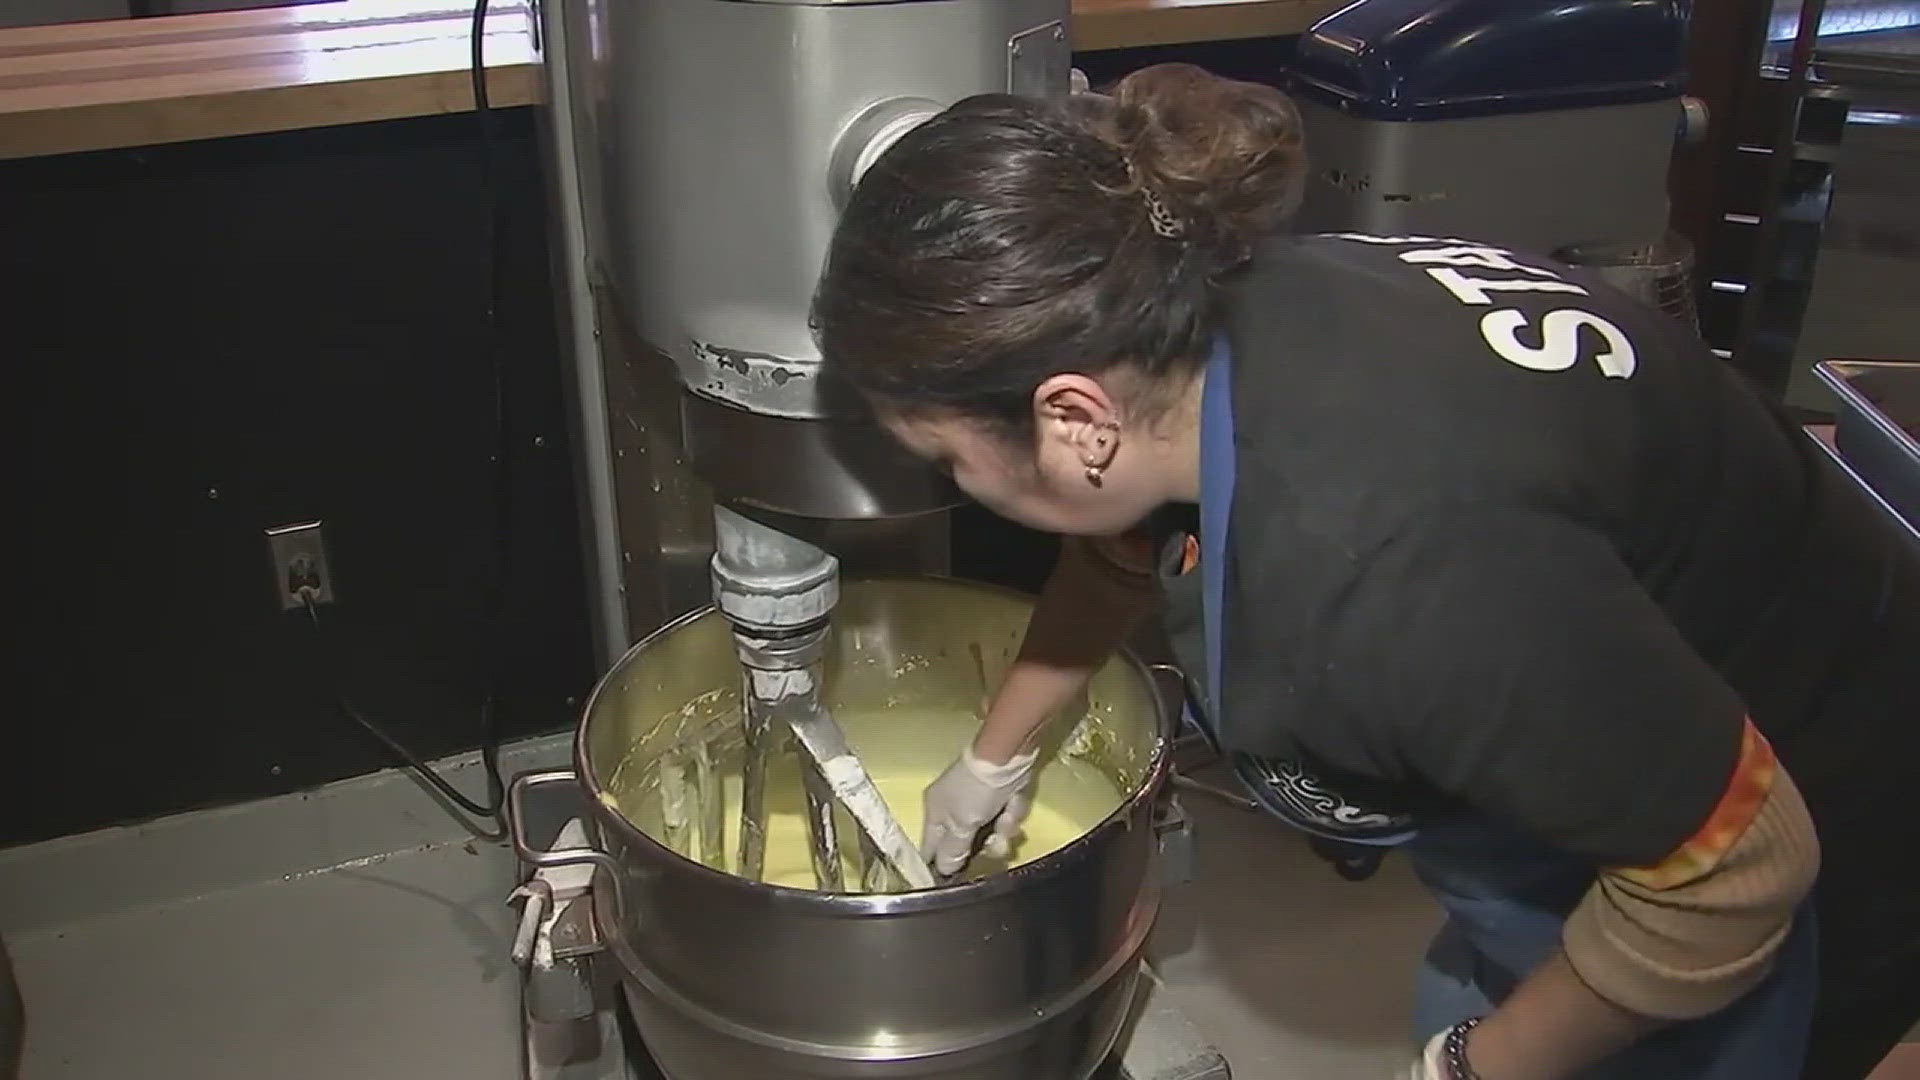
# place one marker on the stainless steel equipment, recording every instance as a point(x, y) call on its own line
point(1158, 1042)
point(1536, 124)
point(1659, 272)
point(733, 132)
point(777, 589)
point(1877, 428)
point(1849, 243)
point(1027, 974)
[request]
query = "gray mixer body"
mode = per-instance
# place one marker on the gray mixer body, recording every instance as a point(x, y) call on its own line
point(735, 131)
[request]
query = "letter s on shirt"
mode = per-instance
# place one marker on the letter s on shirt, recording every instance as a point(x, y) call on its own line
point(1560, 344)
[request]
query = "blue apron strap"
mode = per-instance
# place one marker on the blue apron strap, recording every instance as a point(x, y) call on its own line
point(1282, 788)
point(1216, 508)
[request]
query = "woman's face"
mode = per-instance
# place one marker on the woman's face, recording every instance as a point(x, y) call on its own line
point(1086, 474)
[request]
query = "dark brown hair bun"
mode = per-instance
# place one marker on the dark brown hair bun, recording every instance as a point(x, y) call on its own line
point(1226, 157)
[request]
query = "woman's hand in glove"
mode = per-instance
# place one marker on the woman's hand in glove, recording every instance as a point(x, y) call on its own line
point(969, 796)
point(1431, 1064)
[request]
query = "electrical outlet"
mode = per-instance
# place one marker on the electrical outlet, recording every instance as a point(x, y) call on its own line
point(300, 561)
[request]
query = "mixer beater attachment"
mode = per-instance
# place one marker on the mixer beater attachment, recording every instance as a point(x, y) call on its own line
point(756, 724)
point(779, 590)
point(822, 830)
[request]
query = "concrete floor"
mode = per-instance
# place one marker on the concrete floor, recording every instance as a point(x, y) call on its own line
point(395, 969)
point(355, 931)
point(393, 965)
point(1289, 969)
point(203, 948)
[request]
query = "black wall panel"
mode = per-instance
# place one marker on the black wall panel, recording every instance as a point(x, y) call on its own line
point(204, 340)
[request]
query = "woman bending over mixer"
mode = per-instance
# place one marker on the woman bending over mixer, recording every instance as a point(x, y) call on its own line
point(1477, 557)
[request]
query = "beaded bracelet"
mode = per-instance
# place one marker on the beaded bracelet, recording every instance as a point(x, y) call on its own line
point(1454, 1050)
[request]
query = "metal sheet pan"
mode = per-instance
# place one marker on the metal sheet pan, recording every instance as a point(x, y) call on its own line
point(1907, 528)
point(1875, 427)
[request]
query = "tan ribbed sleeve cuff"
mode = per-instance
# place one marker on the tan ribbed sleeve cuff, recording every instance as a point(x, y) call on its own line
point(1679, 949)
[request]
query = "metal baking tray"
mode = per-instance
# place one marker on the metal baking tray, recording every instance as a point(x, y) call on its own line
point(1877, 428)
point(1840, 467)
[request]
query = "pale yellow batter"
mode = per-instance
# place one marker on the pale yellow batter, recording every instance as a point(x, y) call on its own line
point(903, 750)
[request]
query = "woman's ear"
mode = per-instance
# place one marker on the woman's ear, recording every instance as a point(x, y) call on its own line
point(1077, 412)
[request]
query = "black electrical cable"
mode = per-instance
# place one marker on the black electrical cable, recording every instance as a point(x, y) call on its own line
point(495, 262)
point(493, 209)
point(491, 224)
point(491, 809)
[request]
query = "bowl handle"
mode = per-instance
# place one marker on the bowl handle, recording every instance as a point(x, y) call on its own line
point(544, 857)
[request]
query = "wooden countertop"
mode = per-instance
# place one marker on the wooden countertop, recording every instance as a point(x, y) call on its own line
point(138, 82)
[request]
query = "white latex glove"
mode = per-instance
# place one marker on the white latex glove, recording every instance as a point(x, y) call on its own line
point(1431, 1064)
point(965, 798)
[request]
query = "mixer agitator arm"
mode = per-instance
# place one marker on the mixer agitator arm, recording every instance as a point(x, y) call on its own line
point(779, 589)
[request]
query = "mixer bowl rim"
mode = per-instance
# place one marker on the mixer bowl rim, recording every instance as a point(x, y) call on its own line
point(942, 896)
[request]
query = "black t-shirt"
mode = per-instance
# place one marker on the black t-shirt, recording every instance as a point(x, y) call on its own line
point(1507, 540)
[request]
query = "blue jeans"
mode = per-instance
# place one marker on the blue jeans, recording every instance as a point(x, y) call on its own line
point(1506, 897)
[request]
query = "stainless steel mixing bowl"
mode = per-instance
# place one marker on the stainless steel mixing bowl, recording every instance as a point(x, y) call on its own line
point(1025, 975)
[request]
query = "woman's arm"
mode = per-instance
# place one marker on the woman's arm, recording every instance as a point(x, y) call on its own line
point(1511, 660)
point(1088, 607)
point(1097, 593)
point(1553, 1025)
point(1670, 942)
